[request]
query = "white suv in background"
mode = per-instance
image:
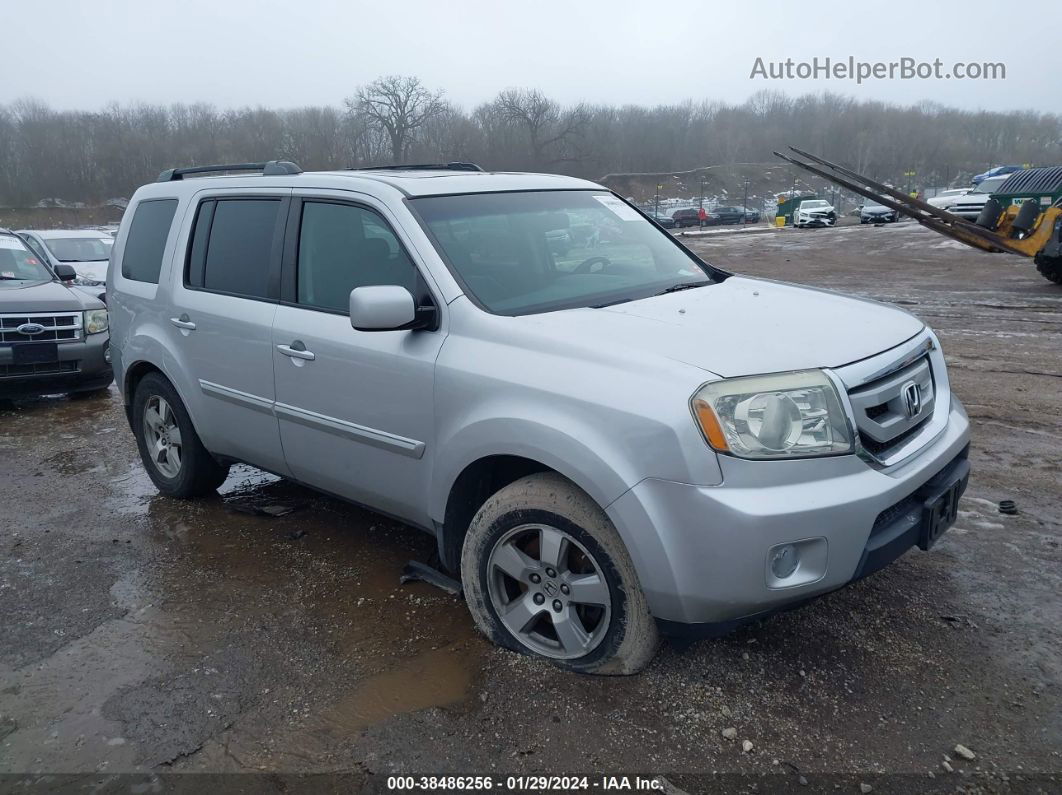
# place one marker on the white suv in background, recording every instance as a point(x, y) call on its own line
point(607, 438)
point(946, 199)
point(87, 251)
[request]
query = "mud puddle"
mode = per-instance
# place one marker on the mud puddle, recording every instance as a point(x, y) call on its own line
point(212, 623)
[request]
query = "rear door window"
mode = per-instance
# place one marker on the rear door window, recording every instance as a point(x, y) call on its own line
point(232, 246)
point(142, 259)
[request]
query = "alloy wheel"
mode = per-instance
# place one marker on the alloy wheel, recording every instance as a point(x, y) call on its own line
point(162, 436)
point(549, 591)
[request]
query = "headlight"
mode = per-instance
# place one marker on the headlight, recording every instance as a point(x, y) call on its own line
point(95, 321)
point(788, 415)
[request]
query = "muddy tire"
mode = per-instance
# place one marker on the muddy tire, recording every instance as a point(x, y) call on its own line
point(173, 456)
point(1050, 268)
point(545, 573)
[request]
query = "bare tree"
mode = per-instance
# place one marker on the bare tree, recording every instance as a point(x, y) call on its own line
point(399, 106)
point(546, 124)
point(90, 156)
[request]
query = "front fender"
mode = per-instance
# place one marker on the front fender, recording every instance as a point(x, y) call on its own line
point(574, 458)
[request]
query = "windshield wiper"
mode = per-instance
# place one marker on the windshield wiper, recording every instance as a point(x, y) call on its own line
point(611, 303)
point(683, 286)
point(13, 278)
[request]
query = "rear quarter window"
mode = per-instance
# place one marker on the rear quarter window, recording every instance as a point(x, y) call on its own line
point(148, 232)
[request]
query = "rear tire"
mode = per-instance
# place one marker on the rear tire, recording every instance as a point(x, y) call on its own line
point(173, 456)
point(573, 595)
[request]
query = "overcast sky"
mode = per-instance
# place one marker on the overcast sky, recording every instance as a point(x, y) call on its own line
point(287, 53)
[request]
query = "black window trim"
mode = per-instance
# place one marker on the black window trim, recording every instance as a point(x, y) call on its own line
point(275, 249)
point(162, 261)
point(289, 286)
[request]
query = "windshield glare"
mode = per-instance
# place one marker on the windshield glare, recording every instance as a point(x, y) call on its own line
point(992, 184)
point(80, 249)
point(520, 253)
point(814, 203)
point(18, 263)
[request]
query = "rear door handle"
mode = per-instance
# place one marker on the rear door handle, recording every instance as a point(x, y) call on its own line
point(183, 322)
point(297, 350)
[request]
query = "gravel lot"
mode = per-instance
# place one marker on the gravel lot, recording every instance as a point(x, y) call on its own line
point(144, 634)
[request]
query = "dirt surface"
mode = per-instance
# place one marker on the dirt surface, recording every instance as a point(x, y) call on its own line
point(139, 633)
point(59, 217)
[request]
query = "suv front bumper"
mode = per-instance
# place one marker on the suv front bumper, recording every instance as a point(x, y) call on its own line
point(83, 365)
point(702, 552)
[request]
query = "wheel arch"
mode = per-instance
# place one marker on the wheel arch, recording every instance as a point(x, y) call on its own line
point(464, 483)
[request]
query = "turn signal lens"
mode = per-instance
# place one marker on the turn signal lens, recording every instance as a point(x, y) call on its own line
point(710, 425)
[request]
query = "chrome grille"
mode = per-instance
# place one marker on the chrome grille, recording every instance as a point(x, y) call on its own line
point(883, 408)
point(57, 327)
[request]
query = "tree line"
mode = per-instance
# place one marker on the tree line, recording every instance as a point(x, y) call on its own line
point(93, 156)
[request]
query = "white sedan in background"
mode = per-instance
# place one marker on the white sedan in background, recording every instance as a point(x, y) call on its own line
point(87, 250)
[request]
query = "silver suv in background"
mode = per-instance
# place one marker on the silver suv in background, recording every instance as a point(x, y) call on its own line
point(607, 438)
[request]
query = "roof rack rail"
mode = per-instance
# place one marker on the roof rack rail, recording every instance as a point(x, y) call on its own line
point(454, 166)
point(270, 168)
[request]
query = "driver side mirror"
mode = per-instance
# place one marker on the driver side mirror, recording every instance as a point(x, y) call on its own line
point(65, 273)
point(387, 307)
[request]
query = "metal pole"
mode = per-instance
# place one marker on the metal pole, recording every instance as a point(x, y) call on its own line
point(744, 203)
point(656, 201)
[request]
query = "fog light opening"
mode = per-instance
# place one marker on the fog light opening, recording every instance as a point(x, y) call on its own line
point(107, 353)
point(785, 560)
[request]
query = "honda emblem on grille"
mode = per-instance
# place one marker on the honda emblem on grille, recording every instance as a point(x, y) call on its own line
point(30, 329)
point(912, 399)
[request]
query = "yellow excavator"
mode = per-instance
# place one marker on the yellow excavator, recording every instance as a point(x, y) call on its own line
point(1023, 216)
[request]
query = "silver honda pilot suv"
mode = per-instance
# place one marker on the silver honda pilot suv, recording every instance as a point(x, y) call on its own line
point(609, 438)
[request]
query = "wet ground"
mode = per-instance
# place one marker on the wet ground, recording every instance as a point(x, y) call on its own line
point(139, 633)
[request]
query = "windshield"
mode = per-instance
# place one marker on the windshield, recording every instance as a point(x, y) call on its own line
point(520, 253)
point(991, 184)
point(18, 263)
point(873, 205)
point(811, 205)
point(80, 249)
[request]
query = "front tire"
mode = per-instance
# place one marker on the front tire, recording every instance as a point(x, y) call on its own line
point(173, 456)
point(1049, 267)
point(545, 573)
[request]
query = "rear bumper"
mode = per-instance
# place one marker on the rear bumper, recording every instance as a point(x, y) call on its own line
point(703, 553)
point(82, 366)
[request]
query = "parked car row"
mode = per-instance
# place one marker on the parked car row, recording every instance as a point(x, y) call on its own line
point(53, 338)
point(717, 216)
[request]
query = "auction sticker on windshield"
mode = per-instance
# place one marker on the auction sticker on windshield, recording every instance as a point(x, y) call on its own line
point(619, 208)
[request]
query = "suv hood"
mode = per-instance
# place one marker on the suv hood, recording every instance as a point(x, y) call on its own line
point(743, 326)
point(44, 297)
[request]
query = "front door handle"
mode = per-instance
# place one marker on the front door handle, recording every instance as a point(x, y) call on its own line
point(297, 350)
point(183, 322)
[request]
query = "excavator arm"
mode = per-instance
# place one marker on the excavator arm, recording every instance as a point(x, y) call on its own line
point(1003, 238)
